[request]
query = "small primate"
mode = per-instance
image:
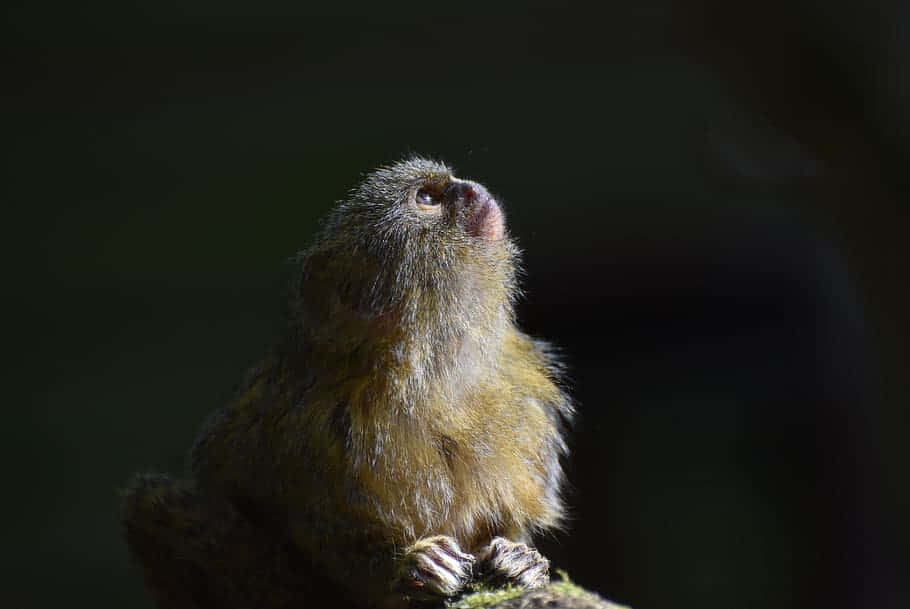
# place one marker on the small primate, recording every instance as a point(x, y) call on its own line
point(402, 440)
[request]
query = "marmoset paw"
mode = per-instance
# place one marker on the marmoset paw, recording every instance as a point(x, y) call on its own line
point(508, 562)
point(433, 567)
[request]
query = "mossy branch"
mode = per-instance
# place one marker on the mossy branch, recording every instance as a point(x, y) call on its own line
point(557, 595)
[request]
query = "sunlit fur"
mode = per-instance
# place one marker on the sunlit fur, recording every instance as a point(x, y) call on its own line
point(404, 401)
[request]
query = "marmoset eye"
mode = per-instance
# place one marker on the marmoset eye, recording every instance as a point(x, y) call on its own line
point(426, 197)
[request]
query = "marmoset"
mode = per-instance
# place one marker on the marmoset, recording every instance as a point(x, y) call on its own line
point(402, 441)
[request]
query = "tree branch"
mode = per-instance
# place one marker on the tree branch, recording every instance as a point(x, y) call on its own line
point(558, 595)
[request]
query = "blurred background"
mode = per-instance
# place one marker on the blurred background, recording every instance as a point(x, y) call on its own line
point(711, 197)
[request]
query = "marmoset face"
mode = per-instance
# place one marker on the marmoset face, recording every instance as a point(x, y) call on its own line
point(460, 203)
point(428, 199)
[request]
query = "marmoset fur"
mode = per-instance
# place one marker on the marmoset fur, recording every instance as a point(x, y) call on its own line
point(402, 441)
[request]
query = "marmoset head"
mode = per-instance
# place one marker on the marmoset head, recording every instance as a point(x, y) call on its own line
point(413, 250)
point(422, 196)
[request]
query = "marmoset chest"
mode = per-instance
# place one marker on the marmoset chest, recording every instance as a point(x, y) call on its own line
point(443, 478)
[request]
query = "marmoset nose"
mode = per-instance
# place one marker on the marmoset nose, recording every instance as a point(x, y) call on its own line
point(459, 194)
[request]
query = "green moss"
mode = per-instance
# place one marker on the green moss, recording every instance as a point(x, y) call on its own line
point(567, 588)
point(485, 597)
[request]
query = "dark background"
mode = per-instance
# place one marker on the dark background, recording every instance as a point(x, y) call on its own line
point(711, 197)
